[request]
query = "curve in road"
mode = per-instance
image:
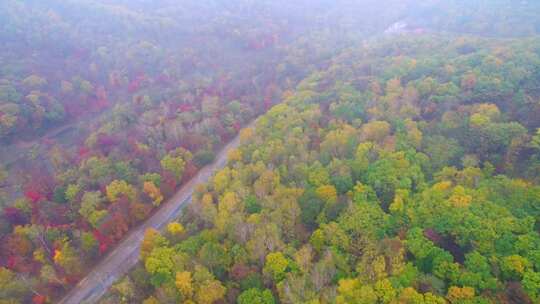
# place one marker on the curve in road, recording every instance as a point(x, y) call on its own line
point(126, 254)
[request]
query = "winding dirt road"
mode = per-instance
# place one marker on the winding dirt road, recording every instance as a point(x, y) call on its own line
point(126, 254)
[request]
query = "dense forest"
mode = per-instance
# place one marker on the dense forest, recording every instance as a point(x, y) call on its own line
point(395, 156)
point(405, 172)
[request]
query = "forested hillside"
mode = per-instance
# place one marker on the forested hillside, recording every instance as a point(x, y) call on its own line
point(401, 168)
point(107, 107)
point(404, 172)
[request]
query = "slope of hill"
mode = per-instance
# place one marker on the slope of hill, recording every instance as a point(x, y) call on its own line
point(404, 172)
point(107, 107)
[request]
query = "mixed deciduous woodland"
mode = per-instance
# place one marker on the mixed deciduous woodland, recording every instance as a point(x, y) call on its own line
point(404, 172)
point(395, 159)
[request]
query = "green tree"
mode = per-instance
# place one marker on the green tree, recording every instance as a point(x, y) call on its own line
point(256, 296)
point(531, 284)
point(209, 292)
point(173, 164)
point(214, 257)
point(118, 188)
point(90, 204)
point(514, 266)
point(352, 291)
point(160, 266)
point(276, 265)
point(72, 191)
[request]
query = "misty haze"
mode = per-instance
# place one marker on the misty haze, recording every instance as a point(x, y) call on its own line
point(270, 152)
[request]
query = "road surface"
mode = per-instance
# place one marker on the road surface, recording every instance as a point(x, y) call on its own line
point(126, 254)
